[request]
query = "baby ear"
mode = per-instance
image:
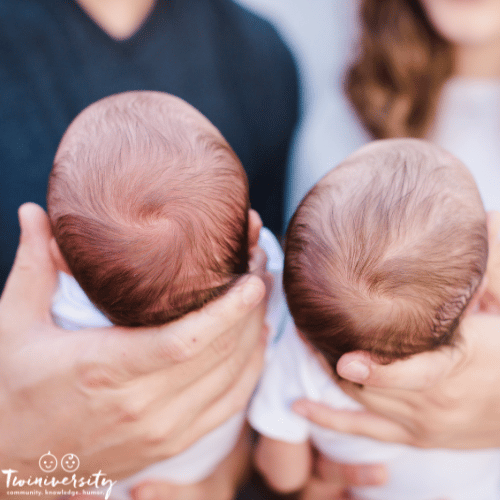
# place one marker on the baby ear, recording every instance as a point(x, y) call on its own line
point(492, 292)
point(487, 297)
point(254, 227)
point(484, 300)
point(58, 258)
point(489, 303)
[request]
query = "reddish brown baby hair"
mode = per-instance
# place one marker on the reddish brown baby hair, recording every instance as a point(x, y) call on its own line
point(149, 206)
point(385, 252)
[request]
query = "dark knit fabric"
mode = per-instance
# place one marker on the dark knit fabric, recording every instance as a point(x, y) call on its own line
point(225, 61)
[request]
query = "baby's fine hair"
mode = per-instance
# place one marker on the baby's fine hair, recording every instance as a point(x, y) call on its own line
point(149, 206)
point(385, 252)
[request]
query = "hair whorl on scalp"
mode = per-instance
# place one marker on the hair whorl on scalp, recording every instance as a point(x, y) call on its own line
point(384, 254)
point(402, 64)
point(149, 206)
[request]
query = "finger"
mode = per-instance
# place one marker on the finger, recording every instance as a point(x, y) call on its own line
point(157, 490)
point(397, 404)
point(317, 489)
point(418, 372)
point(360, 423)
point(185, 390)
point(351, 474)
point(193, 333)
point(215, 411)
point(28, 292)
point(133, 352)
point(238, 395)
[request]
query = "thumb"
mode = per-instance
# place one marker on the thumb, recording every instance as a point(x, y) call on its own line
point(28, 292)
point(418, 372)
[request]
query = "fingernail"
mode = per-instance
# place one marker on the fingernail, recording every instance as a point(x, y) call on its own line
point(146, 493)
point(355, 371)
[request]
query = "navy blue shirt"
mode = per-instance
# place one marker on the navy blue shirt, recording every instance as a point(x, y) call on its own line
point(225, 61)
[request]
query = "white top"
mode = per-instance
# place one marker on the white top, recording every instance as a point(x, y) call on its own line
point(467, 125)
point(293, 372)
point(72, 310)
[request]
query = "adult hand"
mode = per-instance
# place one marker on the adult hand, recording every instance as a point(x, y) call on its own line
point(118, 398)
point(448, 398)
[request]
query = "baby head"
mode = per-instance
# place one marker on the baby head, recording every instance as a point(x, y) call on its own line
point(149, 208)
point(385, 252)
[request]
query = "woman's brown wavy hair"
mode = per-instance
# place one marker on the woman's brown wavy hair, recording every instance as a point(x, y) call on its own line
point(402, 65)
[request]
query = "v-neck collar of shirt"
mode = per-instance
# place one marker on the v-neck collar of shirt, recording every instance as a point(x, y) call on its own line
point(137, 38)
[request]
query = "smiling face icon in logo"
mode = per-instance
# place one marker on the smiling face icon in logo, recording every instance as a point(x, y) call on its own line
point(48, 462)
point(70, 462)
